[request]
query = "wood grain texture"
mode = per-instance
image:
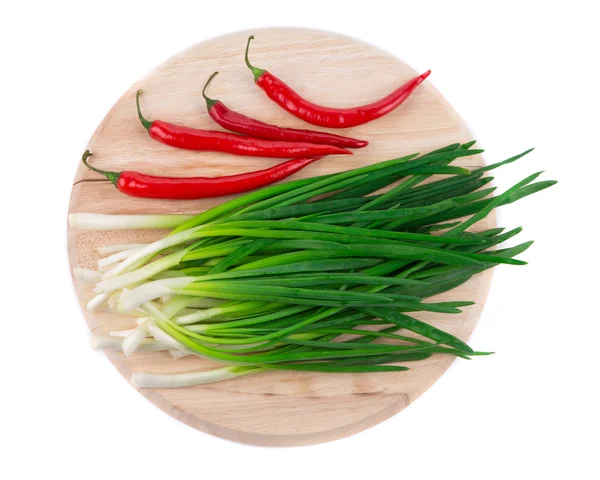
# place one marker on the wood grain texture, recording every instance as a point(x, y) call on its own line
point(279, 408)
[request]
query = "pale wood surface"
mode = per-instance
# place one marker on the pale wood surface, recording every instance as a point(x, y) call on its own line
point(280, 408)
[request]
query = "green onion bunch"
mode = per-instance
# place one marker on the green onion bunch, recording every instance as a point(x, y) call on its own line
point(319, 274)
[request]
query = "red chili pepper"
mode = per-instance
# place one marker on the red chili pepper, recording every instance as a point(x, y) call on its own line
point(239, 123)
point(196, 139)
point(291, 101)
point(149, 186)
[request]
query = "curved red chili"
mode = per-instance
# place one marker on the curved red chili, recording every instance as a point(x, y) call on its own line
point(291, 101)
point(239, 123)
point(197, 139)
point(150, 186)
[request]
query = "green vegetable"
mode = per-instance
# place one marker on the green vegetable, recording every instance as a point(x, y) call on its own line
point(289, 277)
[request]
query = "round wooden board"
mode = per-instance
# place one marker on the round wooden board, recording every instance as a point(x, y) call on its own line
point(280, 408)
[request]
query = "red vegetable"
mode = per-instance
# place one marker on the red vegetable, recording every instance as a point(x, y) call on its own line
point(239, 123)
point(196, 139)
point(291, 101)
point(150, 186)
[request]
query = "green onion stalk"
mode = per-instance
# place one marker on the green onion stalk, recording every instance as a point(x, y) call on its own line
point(319, 274)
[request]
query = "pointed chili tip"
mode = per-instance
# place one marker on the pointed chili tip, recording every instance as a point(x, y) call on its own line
point(426, 74)
point(146, 123)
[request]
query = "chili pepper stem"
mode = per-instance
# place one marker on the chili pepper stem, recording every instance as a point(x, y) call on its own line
point(146, 123)
point(112, 176)
point(209, 101)
point(90, 180)
point(257, 72)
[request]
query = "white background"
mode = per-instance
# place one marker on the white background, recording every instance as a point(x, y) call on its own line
point(523, 74)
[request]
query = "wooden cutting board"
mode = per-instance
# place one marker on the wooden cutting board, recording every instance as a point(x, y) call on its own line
point(280, 408)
